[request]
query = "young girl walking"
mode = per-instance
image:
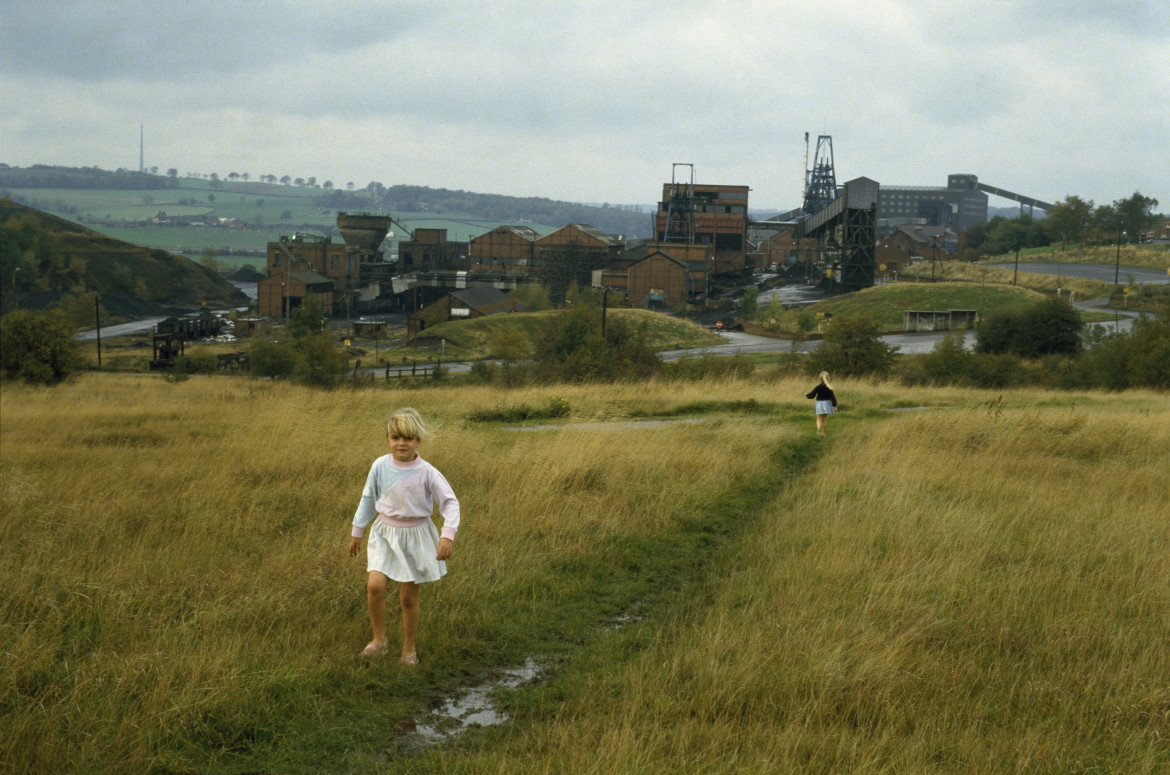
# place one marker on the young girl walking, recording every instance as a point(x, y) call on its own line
point(826, 401)
point(404, 545)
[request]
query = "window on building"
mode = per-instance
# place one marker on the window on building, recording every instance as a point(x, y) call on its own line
point(276, 260)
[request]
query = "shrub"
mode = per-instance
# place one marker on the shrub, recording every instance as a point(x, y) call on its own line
point(38, 347)
point(949, 362)
point(852, 346)
point(573, 348)
point(272, 359)
point(997, 370)
point(1050, 327)
point(320, 362)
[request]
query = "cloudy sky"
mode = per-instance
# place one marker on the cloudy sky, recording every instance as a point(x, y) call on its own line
point(593, 101)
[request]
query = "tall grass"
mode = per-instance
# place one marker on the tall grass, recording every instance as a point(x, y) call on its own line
point(978, 586)
point(176, 591)
point(977, 590)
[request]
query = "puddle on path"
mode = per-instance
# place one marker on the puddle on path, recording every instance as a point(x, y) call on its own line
point(473, 707)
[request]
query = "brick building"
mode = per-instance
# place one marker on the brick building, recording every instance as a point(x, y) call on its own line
point(784, 248)
point(571, 254)
point(505, 248)
point(669, 275)
point(321, 258)
point(720, 216)
point(430, 250)
point(465, 304)
point(281, 293)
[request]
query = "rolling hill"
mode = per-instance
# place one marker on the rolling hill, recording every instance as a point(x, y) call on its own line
point(46, 258)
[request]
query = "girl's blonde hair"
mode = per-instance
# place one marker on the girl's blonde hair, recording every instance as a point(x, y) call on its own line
point(407, 424)
point(825, 380)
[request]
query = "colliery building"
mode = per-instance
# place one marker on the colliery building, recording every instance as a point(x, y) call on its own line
point(714, 215)
point(962, 204)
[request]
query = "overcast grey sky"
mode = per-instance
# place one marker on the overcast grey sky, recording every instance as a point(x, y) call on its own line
point(594, 101)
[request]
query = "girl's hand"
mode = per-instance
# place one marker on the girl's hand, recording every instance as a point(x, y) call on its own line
point(445, 546)
point(354, 545)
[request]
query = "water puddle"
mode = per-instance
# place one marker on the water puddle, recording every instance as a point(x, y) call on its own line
point(473, 707)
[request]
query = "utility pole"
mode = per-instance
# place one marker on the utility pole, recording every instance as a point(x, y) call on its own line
point(604, 306)
point(97, 321)
point(1117, 263)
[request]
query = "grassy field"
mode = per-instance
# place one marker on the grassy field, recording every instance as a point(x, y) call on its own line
point(282, 210)
point(884, 304)
point(475, 339)
point(953, 581)
point(1142, 256)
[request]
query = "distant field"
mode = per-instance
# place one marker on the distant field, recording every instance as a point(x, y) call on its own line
point(281, 210)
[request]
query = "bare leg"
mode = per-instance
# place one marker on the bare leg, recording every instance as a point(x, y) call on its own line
point(409, 599)
point(376, 597)
point(821, 424)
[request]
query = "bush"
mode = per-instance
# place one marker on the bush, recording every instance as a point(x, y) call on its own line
point(320, 362)
point(1116, 361)
point(573, 348)
point(38, 347)
point(949, 362)
point(272, 359)
point(995, 370)
point(852, 346)
point(1050, 327)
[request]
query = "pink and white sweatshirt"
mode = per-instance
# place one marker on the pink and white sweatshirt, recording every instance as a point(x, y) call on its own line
point(403, 494)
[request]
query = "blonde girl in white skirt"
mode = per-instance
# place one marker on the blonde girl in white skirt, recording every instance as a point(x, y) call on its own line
point(404, 545)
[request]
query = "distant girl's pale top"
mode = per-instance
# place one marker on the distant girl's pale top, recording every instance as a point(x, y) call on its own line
point(405, 492)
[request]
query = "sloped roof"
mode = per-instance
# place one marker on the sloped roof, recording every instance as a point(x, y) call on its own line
point(595, 233)
point(479, 296)
point(691, 266)
point(523, 232)
point(309, 277)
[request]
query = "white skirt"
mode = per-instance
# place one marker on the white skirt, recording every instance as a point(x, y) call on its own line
point(825, 407)
point(405, 553)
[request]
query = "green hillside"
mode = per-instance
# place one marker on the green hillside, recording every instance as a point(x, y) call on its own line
point(884, 304)
point(474, 338)
point(46, 258)
point(123, 205)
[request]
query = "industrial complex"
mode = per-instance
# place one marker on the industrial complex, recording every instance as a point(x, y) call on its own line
point(704, 242)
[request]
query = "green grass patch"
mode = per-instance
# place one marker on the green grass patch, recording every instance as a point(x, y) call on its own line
point(474, 339)
point(884, 304)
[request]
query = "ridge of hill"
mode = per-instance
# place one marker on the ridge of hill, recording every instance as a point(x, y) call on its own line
point(57, 258)
point(95, 196)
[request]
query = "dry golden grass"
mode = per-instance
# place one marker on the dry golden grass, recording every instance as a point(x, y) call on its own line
point(976, 587)
point(173, 559)
point(956, 271)
point(978, 590)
